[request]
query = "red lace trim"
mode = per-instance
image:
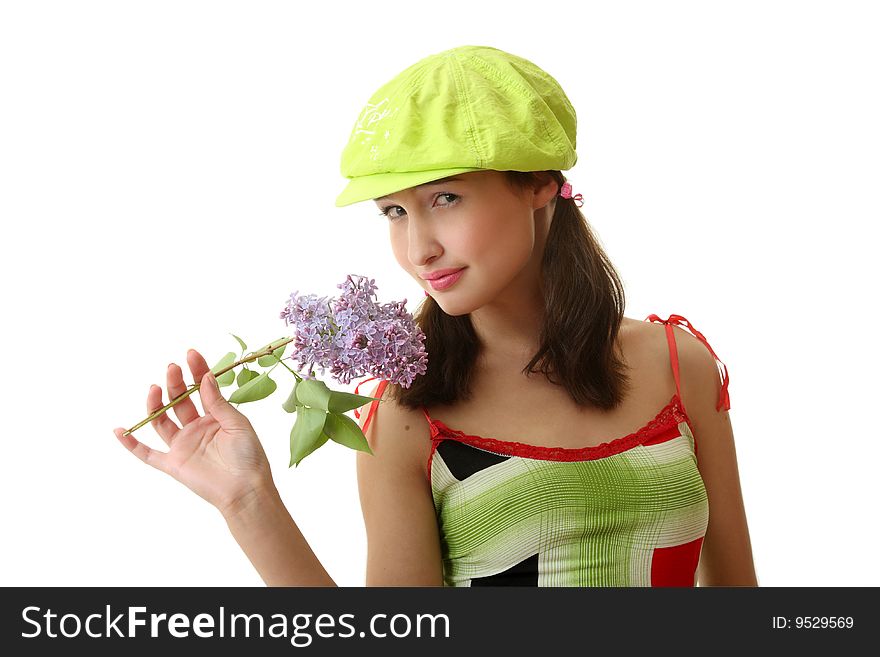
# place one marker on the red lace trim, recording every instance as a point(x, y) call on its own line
point(669, 415)
point(724, 397)
point(673, 413)
point(379, 390)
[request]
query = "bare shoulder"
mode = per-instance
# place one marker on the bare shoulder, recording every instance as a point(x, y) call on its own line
point(701, 386)
point(700, 378)
point(398, 429)
point(403, 540)
point(646, 342)
point(697, 366)
point(726, 554)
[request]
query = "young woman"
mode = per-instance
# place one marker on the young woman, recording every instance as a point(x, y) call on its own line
point(553, 441)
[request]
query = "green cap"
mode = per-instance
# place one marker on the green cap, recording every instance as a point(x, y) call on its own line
point(460, 110)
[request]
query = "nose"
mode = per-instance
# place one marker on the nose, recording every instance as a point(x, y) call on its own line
point(422, 245)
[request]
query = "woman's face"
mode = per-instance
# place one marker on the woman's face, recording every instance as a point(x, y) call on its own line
point(474, 222)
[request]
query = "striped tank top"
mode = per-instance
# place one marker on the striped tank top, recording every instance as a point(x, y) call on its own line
point(632, 511)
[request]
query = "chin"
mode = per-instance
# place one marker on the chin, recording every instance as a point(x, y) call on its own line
point(454, 309)
point(457, 302)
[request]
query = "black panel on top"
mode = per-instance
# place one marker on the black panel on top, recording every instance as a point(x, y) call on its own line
point(464, 460)
point(525, 573)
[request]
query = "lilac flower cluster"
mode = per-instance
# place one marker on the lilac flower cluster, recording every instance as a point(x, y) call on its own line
point(354, 335)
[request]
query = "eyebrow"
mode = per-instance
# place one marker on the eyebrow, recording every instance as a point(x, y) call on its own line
point(427, 184)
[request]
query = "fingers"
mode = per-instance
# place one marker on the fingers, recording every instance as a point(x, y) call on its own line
point(185, 410)
point(197, 364)
point(163, 424)
point(199, 367)
point(144, 453)
point(217, 407)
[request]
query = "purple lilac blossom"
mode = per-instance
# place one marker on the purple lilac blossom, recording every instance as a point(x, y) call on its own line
point(354, 335)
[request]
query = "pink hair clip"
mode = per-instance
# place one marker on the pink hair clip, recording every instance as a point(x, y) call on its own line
point(565, 192)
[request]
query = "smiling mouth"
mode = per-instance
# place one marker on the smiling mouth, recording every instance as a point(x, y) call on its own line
point(443, 282)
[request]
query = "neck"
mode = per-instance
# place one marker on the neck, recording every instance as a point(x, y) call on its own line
point(510, 326)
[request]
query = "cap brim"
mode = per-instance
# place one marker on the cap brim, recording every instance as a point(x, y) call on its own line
point(365, 188)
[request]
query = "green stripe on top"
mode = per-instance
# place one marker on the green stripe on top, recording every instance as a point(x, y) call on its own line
point(593, 522)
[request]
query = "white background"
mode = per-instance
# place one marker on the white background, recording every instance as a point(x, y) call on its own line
point(168, 173)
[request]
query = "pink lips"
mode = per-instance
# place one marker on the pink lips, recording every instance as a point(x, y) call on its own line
point(446, 281)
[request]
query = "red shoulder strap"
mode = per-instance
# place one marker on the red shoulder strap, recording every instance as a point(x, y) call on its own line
point(428, 418)
point(379, 390)
point(357, 412)
point(724, 398)
point(373, 404)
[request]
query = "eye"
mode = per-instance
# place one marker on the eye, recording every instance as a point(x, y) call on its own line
point(385, 212)
point(454, 197)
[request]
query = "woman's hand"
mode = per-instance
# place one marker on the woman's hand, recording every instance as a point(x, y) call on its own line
point(218, 456)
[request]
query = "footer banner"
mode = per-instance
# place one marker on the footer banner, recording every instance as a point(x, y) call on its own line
point(431, 621)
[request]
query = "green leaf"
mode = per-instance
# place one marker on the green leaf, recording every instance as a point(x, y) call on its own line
point(271, 359)
point(305, 437)
point(321, 440)
point(240, 341)
point(345, 431)
point(345, 401)
point(314, 393)
point(226, 378)
point(224, 362)
point(246, 375)
point(259, 387)
point(290, 404)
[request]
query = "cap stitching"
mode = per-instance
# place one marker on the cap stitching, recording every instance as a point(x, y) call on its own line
point(459, 88)
point(539, 72)
point(525, 93)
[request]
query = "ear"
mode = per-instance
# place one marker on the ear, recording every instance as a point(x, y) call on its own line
point(545, 191)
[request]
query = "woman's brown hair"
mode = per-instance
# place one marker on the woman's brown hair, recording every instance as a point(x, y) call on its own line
point(583, 310)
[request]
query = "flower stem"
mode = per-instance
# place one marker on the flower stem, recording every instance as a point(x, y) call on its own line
point(190, 390)
point(298, 377)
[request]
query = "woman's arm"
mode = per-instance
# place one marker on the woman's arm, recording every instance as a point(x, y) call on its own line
point(219, 457)
point(726, 558)
point(403, 536)
point(266, 532)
